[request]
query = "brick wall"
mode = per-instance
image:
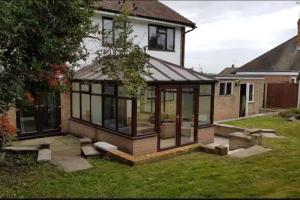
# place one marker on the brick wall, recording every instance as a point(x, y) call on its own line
point(228, 107)
point(12, 116)
point(278, 79)
point(206, 135)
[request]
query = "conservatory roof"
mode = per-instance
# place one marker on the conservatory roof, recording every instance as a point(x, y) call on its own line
point(160, 71)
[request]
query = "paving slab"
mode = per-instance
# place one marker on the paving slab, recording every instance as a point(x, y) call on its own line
point(71, 163)
point(89, 150)
point(271, 135)
point(105, 146)
point(44, 155)
point(251, 151)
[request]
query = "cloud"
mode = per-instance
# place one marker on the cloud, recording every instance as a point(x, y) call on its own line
point(233, 31)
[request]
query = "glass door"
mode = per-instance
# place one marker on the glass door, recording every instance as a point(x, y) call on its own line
point(41, 118)
point(176, 117)
point(168, 126)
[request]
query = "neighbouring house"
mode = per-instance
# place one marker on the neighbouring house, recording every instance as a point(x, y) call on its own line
point(237, 95)
point(178, 105)
point(280, 67)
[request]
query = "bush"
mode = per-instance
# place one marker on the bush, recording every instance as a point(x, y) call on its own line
point(290, 113)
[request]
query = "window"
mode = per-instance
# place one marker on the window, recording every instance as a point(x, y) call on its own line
point(161, 38)
point(146, 112)
point(111, 30)
point(225, 88)
point(75, 105)
point(251, 92)
point(205, 104)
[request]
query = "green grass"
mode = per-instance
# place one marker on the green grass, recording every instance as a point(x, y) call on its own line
point(273, 174)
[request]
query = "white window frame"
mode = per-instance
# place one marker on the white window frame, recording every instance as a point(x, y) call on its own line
point(225, 88)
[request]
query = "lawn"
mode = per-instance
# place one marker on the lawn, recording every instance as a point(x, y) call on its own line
point(273, 174)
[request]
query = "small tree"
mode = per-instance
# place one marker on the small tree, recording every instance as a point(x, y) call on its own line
point(121, 58)
point(7, 132)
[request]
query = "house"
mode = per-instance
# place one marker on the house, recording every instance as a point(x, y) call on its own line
point(237, 95)
point(178, 105)
point(279, 67)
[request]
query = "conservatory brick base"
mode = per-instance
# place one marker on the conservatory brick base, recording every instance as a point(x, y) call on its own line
point(135, 147)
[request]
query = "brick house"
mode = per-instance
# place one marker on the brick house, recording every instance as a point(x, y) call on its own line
point(237, 95)
point(178, 109)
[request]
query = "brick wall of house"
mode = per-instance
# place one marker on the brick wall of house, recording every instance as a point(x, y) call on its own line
point(228, 107)
point(278, 79)
point(12, 116)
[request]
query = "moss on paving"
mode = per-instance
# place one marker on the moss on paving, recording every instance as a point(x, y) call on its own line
point(272, 174)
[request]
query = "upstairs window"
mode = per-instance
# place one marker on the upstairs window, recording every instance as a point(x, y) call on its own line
point(111, 30)
point(225, 88)
point(161, 38)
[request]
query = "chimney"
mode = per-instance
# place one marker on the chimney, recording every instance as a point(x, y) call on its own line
point(232, 66)
point(298, 36)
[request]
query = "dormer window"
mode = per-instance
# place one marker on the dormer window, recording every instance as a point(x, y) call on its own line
point(161, 38)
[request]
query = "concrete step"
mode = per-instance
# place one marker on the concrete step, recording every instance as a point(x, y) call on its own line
point(105, 146)
point(22, 149)
point(44, 155)
point(89, 150)
point(85, 140)
point(255, 150)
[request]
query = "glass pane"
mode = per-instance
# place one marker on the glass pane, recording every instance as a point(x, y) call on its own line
point(28, 120)
point(84, 87)
point(170, 39)
point(109, 89)
point(228, 88)
point(108, 31)
point(152, 37)
point(75, 105)
point(122, 91)
point(50, 112)
point(124, 116)
point(96, 89)
point(146, 113)
point(222, 88)
point(97, 110)
point(204, 110)
point(187, 123)
point(168, 119)
point(109, 112)
point(205, 89)
point(161, 41)
point(251, 92)
point(85, 107)
point(75, 86)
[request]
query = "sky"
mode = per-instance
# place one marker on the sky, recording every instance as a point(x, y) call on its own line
point(234, 32)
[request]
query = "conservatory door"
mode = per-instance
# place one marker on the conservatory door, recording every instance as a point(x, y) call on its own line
point(176, 117)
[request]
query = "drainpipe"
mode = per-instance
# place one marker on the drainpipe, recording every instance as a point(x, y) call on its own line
point(298, 79)
point(182, 43)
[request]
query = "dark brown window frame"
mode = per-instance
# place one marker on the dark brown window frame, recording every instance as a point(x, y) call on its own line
point(166, 34)
point(225, 88)
point(133, 133)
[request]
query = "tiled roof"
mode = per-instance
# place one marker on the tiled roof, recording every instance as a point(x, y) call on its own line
point(283, 58)
point(160, 70)
point(151, 9)
point(229, 71)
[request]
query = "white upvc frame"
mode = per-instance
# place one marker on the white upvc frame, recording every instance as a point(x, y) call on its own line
point(225, 88)
point(252, 93)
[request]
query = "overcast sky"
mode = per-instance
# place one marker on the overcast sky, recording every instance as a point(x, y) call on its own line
point(234, 32)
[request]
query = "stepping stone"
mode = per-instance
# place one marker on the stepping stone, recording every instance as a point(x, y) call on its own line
point(85, 140)
point(253, 130)
point(89, 150)
point(267, 131)
point(255, 150)
point(22, 149)
point(71, 163)
point(44, 155)
point(45, 145)
point(105, 146)
point(271, 135)
point(293, 118)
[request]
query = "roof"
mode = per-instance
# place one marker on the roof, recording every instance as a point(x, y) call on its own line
point(283, 58)
point(151, 9)
point(228, 71)
point(160, 71)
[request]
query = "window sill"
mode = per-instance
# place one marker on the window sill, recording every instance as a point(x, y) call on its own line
point(161, 50)
point(228, 95)
point(250, 101)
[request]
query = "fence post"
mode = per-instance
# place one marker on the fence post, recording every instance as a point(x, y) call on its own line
point(298, 103)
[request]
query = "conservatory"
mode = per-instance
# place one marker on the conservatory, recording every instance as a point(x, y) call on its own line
point(177, 109)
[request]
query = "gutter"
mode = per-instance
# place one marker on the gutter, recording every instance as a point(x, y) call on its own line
point(194, 27)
